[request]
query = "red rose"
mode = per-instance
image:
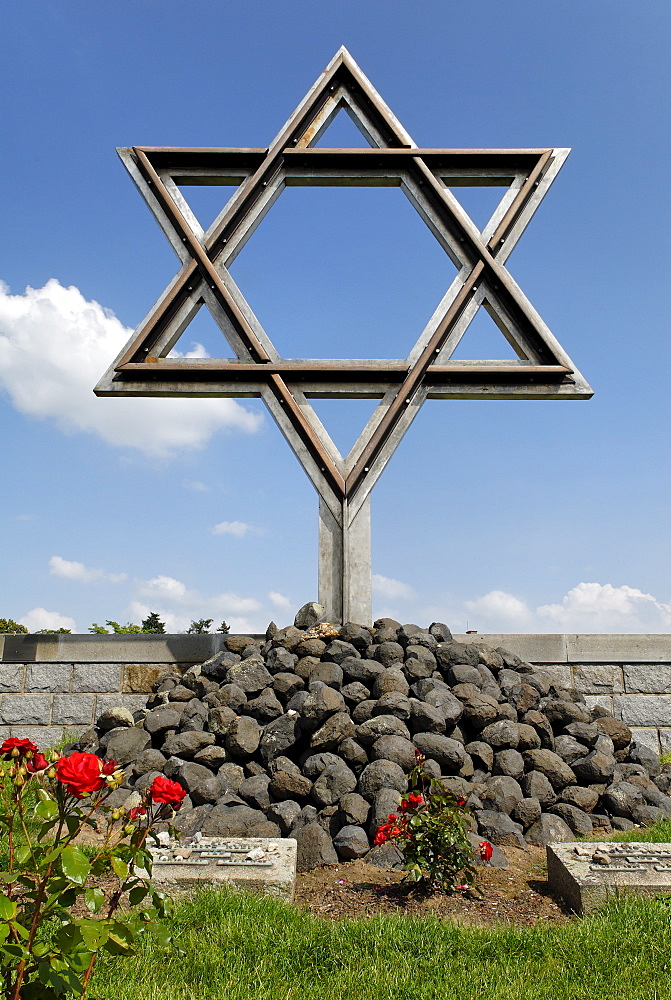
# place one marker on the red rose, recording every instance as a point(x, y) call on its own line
point(14, 747)
point(164, 790)
point(380, 837)
point(109, 767)
point(136, 812)
point(486, 850)
point(38, 762)
point(81, 773)
point(415, 798)
point(461, 801)
point(404, 804)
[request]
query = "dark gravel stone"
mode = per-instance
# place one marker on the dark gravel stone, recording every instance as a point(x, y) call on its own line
point(220, 720)
point(328, 673)
point(315, 848)
point(284, 814)
point(502, 794)
point(321, 702)
point(123, 744)
point(250, 675)
point(338, 651)
point(579, 821)
point(425, 718)
point(363, 711)
point(381, 725)
point(335, 781)
point(394, 703)
point(385, 803)
point(618, 732)
point(199, 782)
point(584, 733)
point(480, 712)
point(238, 821)
point(255, 791)
point(212, 757)
point(594, 767)
point(160, 719)
point(381, 774)
point(538, 722)
point(584, 798)
point(561, 713)
point(243, 736)
point(265, 707)
point(354, 754)
point(549, 829)
point(526, 812)
point(285, 685)
point(569, 749)
point(279, 735)
point(354, 808)
point(499, 828)
point(355, 692)
point(462, 673)
point(481, 754)
point(330, 735)
point(503, 735)
point(448, 753)
point(509, 763)
point(191, 821)
point(392, 680)
point(233, 696)
point(396, 749)
point(450, 707)
point(363, 670)
point(448, 653)
point(351, 842)
point(535, 785)
point(318, 762)
point(558, 773)
point(289, 785)
point(389, 653)
point(148, 760)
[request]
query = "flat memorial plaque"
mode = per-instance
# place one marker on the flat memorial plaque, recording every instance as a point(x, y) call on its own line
point(257, 864)
point(587, 874)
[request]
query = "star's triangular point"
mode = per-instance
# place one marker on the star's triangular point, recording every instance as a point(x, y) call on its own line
point(143, 367)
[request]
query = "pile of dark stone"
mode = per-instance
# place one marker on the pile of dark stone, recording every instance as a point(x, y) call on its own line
point(310, 733)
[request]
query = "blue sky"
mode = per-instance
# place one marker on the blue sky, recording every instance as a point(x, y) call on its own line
point(499, 516)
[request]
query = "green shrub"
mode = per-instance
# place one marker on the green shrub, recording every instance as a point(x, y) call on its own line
point(8, 625)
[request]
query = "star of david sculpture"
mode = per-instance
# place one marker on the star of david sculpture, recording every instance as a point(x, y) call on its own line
point(286, 385)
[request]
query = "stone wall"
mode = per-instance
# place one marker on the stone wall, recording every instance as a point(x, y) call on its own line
point(52, 683)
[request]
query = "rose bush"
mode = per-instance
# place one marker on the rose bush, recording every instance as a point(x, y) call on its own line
point(431, 828)
point(47, 801)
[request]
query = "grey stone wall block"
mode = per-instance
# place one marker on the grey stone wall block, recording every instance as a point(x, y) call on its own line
point(665, 739)
point(73, 709)
point(604, 700)
point(11, 676)
point(97, 677)
point(559, 672)
point(647, 678)
point(25, 709)
point(44, 737)
point(139, 678)
point(592, 678)
point(646, 738)
point(643, 709)
point(50, 677)
point(132, 702)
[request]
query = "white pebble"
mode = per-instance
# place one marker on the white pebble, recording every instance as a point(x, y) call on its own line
point(163, 838)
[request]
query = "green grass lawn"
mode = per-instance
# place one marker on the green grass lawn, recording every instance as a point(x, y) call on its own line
point(239, 947)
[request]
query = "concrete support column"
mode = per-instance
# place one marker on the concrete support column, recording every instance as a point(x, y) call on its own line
point(345, 564)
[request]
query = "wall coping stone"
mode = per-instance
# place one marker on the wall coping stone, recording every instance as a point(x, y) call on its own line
point(182, 648)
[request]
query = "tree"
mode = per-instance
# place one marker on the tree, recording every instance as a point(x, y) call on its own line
point(202, 625)
point(224, 628)
point(152, 623)
point(8, 625)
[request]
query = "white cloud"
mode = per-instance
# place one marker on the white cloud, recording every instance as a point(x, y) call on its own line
point(497, 605)
point(54, 347)
point(236, 528)
point(588, 607)
point(178, 606)
point(70, 570)
point(596, 607)
point(391, 589)
point(280, 601)
point(40, 618)
point(197, 486)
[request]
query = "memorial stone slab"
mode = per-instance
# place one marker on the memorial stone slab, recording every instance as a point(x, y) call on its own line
point(256, 864)
point(588, 874)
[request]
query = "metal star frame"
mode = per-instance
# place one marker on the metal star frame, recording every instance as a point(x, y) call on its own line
point(144, 368)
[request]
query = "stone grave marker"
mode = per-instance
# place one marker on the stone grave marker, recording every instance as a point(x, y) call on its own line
point(587, 874)
point(257, 864)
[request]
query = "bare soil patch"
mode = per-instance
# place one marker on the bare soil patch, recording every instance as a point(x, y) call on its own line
point(518, 895)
